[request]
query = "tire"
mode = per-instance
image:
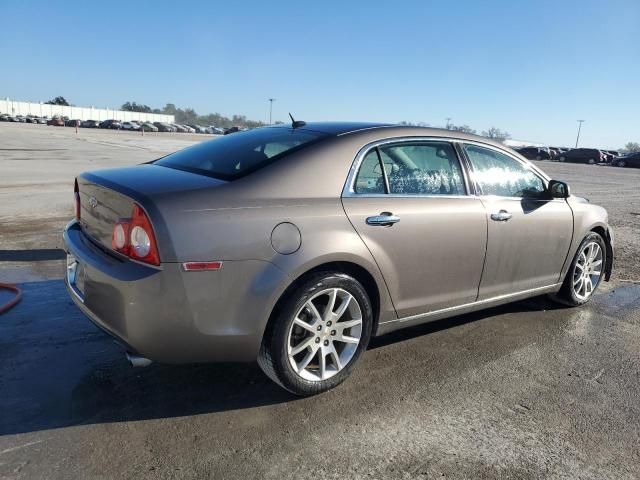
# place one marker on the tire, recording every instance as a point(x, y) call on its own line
point(285, 334)
point(538, 157)
point(621, 163)
point(562, 159)
point(568, 294)
point(591, 161)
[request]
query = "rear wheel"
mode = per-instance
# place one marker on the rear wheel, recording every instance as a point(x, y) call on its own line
point(591, 161)
point(621, 163)
point(318, 335)
point(562, 159)
point(585, 274)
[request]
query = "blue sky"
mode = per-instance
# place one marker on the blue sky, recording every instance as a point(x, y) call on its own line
point(529, 67)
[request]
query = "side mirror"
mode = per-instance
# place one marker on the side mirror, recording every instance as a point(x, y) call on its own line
point(559, 189)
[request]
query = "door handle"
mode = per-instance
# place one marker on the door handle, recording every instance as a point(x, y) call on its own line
point(501, 216)
point(385, 219)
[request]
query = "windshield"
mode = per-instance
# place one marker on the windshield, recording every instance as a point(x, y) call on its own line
point(239, 154)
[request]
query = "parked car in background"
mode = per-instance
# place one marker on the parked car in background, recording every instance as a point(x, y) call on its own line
point(56, 122)
point(229, 130)
point(583, 155)
point(148, 127)
point(611, 155)
point(554, 153)
point(629, 160)
point(111, 124)
point(323, 252)
point(73, 123)
point(216, 130)
point(534, 153)
point(90, 124)
point(130, 126)
point(198, 128)
point(4, 117)
point(30, 119)
point(42, 120)
point(21, 118)
point(164, 127)
point(179, 128)
point(189, 129)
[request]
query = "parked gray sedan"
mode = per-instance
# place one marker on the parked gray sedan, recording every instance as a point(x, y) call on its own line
point(293, 245)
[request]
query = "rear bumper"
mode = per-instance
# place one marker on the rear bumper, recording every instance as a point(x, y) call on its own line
point(172, 316)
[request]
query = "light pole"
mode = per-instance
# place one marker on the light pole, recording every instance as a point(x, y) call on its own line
point(579, 128)
point(271, 100)
point(448, 119)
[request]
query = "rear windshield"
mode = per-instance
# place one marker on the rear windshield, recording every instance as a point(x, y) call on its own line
point(239, 154)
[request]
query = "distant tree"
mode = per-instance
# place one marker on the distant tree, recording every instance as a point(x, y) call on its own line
point(58, 101)
point(461, 128)
point(169, 109)
point(632, 147)
point(135, 107)
point(496, 134)
point(189, 116)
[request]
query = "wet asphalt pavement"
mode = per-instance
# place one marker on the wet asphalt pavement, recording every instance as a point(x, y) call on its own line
point(524, 391)
point(529, 390)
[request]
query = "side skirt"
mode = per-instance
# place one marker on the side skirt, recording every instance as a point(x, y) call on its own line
point(392, 325)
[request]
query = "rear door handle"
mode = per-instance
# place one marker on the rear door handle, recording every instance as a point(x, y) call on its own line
point(501, 216)
point(385, 219)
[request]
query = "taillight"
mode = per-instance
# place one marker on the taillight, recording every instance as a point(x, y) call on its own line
point(134, 237)
point(76, 199)
point(120, 237)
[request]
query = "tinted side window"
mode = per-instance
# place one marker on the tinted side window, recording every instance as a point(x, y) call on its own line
point(370, 177)
point(424, 168)
point(499, 174)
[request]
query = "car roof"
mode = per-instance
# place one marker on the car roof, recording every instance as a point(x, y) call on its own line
point(334, 128)
point(382, 130)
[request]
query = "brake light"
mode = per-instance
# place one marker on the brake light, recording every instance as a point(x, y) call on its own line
point(134, 237)
point(76, 198)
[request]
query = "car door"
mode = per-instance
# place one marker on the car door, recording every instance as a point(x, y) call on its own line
point(409, 202)
point(529, 233)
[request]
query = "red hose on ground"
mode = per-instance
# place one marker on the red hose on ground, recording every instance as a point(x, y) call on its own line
point(13, 302)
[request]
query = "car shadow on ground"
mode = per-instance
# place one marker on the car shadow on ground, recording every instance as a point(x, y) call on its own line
point(58, 370)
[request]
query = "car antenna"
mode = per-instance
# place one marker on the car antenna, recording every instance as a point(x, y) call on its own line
point(296, 123)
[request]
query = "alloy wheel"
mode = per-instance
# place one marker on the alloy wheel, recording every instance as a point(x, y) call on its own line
point(587, 270)
point(325, 334)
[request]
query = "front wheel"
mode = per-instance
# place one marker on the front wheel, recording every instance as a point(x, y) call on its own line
point(585, 273)
point(621, 163)
point(318, 335)
point(591, 161)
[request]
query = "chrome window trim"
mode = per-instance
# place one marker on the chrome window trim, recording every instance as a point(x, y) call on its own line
point(349, 187)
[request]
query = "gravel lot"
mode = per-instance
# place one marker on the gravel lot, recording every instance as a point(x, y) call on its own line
point(529, 390)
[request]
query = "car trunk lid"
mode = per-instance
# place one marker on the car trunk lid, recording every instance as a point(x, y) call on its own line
point(107, 196)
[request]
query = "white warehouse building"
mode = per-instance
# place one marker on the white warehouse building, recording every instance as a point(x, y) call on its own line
point(13, 107)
